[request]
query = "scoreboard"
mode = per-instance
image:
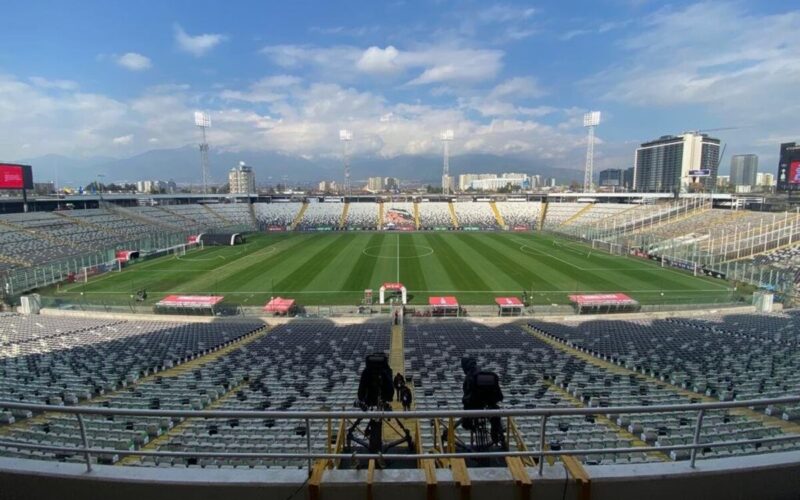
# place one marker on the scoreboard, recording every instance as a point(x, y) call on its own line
point(14, 176)
point(789, 167)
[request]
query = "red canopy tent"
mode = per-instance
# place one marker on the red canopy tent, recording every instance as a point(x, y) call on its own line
point(509, 306)
point(279, 305)
point(191, 302)
point(604, 302)
point(443, 306)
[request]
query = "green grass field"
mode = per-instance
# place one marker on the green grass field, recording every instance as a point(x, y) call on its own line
point(335, 268)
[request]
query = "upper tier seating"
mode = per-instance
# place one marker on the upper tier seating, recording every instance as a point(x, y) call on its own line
point(520, 213)
point(277, 214)
point(362, 215)
point(475, 214)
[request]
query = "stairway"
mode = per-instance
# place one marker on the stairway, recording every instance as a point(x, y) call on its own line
point(380, 216)
point(217, 215)
point(497, 215)
point(453, 216)
point(343, 219)
point(299, 216)
point(577, 215)
point(416, 216)
point(543, 214)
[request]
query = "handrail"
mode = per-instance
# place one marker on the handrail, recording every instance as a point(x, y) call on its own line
point(307, 416)
point(325, 414)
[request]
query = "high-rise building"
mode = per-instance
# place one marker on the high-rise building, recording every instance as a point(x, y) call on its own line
point(327, 186)
point(627, 178)
point(664, 165)
point(242, 179)
point(611, 177)
point(765, 180)
point(375, 184)
point(391, 184)
point(789, 167)
point(743, 170)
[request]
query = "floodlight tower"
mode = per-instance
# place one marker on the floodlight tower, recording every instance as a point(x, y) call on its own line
point(203, 121)
point(345, 136)
point(447, 137)
point(590, 121)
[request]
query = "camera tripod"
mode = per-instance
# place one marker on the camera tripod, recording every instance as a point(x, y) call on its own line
point(371, 436)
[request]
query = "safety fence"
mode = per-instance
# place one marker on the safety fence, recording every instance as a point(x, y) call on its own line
point(536, 450)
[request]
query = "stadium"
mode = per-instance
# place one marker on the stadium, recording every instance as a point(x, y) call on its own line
point(239, 345)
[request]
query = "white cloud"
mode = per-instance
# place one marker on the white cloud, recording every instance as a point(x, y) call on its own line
point(268, 89)
point(303, 119)
point(134, 61)
point(122, 140)
point(731, 66)
point(53, 84)
point(434, 64)
point(375, 60)
point(197, 45)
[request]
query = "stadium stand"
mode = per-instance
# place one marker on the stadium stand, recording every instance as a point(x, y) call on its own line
point(67, 361)
point(362, 216)
point(475, 214)
point(276, 214)
point(596, 212)
point(435, 214)
point(519, 213)
point(235, 213)
point(689, 355)
point(724, 357)
point(558, 213)
point(301, 366)
point(321, 215)
point(399, 214)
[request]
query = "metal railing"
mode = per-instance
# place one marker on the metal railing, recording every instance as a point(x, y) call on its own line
point(308, 416)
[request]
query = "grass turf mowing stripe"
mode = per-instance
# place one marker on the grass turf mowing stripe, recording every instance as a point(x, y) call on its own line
point(577, 279)
point(510, 267)
point(361, 274)
point(243, 270)
point(315, 263)
point(411, 273)
point(461, 273)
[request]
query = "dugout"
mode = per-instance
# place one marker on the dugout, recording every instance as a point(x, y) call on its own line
point(509, 306)
point(601, 303)
point(220, 239)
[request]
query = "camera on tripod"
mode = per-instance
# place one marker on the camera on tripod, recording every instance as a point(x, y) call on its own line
point(375, 392)
point(481, 391)
point(375, 389)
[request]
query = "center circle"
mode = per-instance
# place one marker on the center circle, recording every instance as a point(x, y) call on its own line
point(371, 252)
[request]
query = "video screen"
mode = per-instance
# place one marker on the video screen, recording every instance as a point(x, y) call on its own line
point(12, 177)
point(794, 172)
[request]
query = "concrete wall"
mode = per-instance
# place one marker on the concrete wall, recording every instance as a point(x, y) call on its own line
point(772, 476)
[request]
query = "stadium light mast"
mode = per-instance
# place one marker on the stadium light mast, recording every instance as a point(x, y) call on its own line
point(590, 121)
point(345, 136)
point(203, 121)
point(446, 137)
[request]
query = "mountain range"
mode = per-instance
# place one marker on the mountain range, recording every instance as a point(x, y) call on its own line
point(183, 166)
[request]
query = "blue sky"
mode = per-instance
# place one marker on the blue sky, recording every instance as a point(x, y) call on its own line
point(118, 78)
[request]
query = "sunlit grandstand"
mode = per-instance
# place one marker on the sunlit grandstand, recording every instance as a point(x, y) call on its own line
point(629, 340)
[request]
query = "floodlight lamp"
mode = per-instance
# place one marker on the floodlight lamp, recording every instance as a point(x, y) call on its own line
point(202, 119)
point(591, 119)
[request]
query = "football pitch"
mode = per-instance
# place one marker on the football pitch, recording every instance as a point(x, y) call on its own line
point(336, 268)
